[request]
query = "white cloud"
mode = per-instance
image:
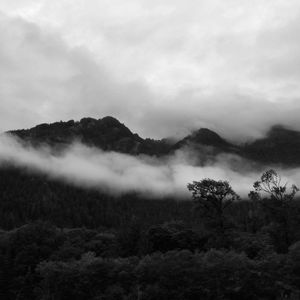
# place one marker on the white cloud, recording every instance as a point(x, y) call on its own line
point(161, 66)
point(119, 173)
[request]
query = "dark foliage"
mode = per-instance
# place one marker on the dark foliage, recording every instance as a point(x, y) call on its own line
point(59, 242)
point(27, 197)
point(280, 146)
point(107, 134)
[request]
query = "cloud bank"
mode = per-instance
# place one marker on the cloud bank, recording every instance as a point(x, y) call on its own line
point(161, 67)
point(118, 173)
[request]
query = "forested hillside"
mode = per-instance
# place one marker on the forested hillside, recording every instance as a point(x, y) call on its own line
point(62, 242)
point(280, 146)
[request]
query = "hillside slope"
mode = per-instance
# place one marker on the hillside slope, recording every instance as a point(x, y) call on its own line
point(281, 146)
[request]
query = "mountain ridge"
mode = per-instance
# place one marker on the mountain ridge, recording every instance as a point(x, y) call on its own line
point(279, 146)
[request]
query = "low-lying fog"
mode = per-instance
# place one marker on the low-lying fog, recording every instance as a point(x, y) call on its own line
point(118, 173)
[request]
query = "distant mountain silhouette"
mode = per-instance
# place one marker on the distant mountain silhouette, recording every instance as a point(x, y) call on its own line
point(107, 134)
point(280, 146)
point(204, 137)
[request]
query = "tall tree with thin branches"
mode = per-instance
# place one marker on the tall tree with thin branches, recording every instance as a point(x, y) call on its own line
point(276, 200)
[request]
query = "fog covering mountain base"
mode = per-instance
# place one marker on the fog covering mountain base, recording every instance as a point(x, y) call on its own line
point(118, 173)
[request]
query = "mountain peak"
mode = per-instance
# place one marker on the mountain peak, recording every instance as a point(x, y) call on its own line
point(88, 121)
point(279, 132)
point(108, 134)
point(280, 146)
point(109, 120)
point(208, 137)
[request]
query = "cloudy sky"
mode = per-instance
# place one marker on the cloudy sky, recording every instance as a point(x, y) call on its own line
point(161, 67)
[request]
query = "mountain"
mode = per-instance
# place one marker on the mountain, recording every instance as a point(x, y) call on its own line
point(279, 146)
point(205, 137)
point(107, 134)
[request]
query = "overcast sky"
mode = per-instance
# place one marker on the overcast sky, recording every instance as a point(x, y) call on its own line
point(161, 67)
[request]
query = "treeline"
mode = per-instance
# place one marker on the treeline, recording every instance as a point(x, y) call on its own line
point(62, 242)
point(26, 197)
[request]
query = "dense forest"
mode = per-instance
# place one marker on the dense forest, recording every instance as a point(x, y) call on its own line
point(63, 242)
point(59, 241)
